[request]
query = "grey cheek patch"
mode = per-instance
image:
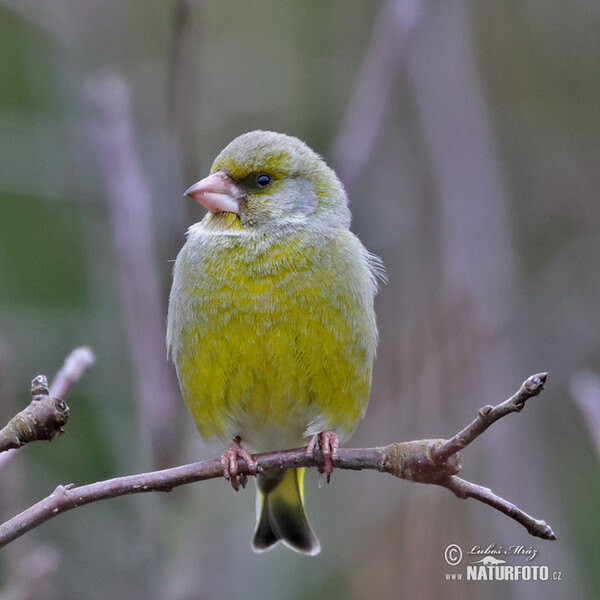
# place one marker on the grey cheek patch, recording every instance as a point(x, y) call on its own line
point(304, 198)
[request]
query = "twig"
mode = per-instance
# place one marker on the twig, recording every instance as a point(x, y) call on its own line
point(466, 489)
point(47, 413)
point(41, 420)
point(73, 368)
point(418, 461)
point(531, 387)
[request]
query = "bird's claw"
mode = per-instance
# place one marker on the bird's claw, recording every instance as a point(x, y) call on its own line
point(229, 464)
point(330, 444)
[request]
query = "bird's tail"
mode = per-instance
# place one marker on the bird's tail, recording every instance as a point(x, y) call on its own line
point(280, 514)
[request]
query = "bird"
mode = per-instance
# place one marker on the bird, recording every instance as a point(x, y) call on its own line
point(271, 323)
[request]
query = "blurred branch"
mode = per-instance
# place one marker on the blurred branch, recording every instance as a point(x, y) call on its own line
point(73, 368)
point(369, 104)
point(129, 198)
point(474, 239)
point(180, 66)
point(182, 156)
point(34, 575)
point(424, 461)
point(47, 413)
point(585, 388)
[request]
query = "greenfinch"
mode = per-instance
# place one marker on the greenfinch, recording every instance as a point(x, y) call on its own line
point(271, 325)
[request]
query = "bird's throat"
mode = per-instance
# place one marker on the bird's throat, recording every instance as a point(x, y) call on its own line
point(224, 221)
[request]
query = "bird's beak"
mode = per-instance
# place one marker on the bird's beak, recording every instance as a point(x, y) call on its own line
point(217, 193)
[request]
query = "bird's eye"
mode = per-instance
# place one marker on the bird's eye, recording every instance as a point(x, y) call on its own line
point(263, 180)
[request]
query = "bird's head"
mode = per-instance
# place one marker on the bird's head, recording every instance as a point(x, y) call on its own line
point(270, 180)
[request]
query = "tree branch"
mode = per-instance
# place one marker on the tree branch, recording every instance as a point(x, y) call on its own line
point(423, 461)
point(129, 195)
point(75, 365)
point(373, 91)
point(466, 489)
point(488, 415)
point(585, 388)
point(47, 413)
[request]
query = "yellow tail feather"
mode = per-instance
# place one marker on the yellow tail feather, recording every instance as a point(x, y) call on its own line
point(280, 514)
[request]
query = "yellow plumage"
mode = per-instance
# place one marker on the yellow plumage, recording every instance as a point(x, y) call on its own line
point(271, 323)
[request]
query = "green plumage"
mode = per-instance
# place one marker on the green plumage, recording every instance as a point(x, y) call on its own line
point(271, 323)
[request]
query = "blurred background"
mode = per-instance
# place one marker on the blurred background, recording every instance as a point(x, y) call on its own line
point(468, 137)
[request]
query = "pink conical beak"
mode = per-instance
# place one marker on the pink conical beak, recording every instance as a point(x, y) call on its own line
point(217, 192)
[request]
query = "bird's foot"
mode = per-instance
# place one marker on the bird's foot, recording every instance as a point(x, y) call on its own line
point(330, 444)
point(229, 463)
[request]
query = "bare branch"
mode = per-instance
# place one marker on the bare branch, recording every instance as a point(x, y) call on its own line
point(466, 489)
point(73, 368)
point(423, 461)
point(391, 460)
point(41, 420)
point(47, 413)
point(129, 196)
point(531, 387)
point(585, 388)
point(372, 94)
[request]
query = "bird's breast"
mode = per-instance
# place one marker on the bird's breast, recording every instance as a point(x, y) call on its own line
point(265, 339)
